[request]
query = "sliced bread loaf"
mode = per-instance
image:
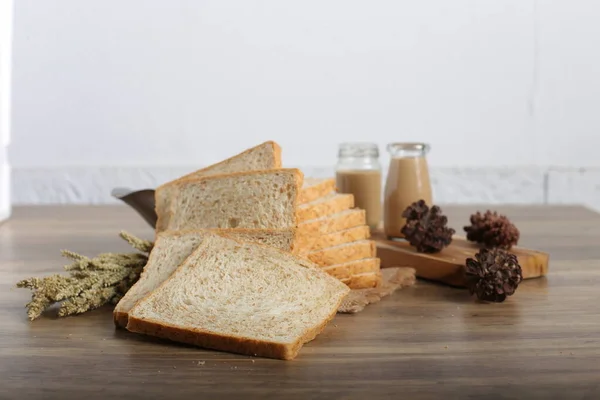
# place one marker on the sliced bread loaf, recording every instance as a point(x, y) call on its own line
point(332, 223)
point(256, 200)
point(343, 253)
point(325, 206)
point(307, 244)
point(242, 298)
point(315, 188)
point(171, 248)
point(265, 156)
point(351, 268)
point(365, 280)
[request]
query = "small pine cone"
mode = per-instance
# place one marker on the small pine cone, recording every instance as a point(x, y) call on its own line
point(492, 230)
point(493, 274)
point(425, 228)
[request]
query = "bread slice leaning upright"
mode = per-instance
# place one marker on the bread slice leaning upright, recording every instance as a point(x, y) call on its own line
point(255, 200)
point(265, 156)
point(242, 298)
point(171, 248)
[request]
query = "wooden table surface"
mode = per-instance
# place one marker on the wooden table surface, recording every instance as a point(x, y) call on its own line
point(428, 341)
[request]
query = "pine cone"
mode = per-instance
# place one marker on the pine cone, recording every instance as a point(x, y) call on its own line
point(493, 274)
point(492, 230)
point(425, 228)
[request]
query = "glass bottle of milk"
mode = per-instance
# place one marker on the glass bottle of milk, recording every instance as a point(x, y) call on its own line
point(358, 172)
point(407, 181)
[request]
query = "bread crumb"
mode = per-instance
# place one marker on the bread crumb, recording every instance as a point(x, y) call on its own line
point(201, 362)
point(252, 360)
point(174, 367)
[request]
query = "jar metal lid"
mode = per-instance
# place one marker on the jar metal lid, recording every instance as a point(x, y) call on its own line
point(358, 149)
point(408, 147)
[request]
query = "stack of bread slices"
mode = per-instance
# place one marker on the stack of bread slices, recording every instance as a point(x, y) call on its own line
point(249, 257)
point(320, 224)
point(334, 235)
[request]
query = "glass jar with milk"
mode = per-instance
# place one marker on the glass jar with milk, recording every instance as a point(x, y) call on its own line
point(407, 181)
point(358, 172)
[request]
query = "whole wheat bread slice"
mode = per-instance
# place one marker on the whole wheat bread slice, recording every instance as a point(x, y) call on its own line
point(347, 270)
point(265, 156)
point(325, 206)
point(171, 248)
point(365, 280)
point(313, 228)
point(315, 188)
point(343, 253)
point(254, 200)
point(242, 298)
point(306, 244)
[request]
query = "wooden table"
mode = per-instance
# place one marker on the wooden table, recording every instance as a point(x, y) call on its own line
point(423, 342)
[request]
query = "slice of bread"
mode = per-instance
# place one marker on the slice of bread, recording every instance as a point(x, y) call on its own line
point(255, 200)
point(242, 298)
point(328, 205)
point(347, 270)
point(265, 156)
point(343, 253)
point(171, 248)
point(332, 223)
point(307, 243)
point(365, 280)
point(315, 188)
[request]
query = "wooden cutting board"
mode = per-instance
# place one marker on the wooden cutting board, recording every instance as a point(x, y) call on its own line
point(447, 266)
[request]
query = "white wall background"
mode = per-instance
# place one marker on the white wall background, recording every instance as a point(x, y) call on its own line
point(6, 31)
point(111, 92)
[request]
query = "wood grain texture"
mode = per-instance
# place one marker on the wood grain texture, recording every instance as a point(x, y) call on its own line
point(448, 266)
point(427, 341)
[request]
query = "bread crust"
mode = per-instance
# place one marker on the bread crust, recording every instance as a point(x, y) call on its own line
point(309, 231)
point(120, 319)
point(317, 191)
point(312, 243)
point(363, 281)
point(343, 253)
point(317, 209)
point(276, 153)
point(349, 269)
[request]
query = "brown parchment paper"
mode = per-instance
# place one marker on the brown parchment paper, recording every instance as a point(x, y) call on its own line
point(392, 279)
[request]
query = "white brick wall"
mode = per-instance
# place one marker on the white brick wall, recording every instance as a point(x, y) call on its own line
point(451, 185)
